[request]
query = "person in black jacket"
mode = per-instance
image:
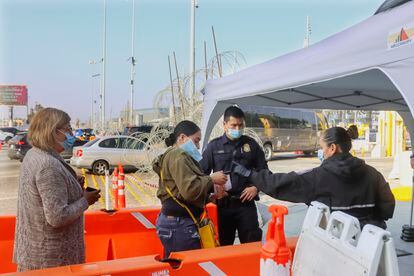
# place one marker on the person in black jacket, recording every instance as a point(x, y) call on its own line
point(237, 208)
point(342, 182)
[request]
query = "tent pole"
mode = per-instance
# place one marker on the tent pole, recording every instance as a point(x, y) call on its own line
point(412, 205)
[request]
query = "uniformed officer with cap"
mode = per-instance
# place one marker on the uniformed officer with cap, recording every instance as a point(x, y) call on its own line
point(236, 210)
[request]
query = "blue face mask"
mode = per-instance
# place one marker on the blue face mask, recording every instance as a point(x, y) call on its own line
point(190, 148)
point(235, 133)
point(69, 141)
point(320, 155)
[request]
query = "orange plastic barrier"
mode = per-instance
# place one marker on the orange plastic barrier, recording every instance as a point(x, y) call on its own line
point(231, 260)
point(7, 224)
point(108, 236)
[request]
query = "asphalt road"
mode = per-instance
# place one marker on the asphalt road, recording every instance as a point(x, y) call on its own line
point(141, 192)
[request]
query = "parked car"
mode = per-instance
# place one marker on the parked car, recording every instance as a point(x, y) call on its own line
point(67, 154)
point(105, 153)
point(6, 133)
point(130, 130)
point(18, 146)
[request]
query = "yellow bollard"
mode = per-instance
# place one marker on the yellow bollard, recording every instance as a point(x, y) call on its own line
point(363, 152)
point(353, 152)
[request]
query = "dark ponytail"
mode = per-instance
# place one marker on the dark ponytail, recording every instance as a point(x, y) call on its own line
point(341, 137)
point(185, 127)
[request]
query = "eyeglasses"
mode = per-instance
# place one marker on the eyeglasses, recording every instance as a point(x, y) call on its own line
point(66, 129)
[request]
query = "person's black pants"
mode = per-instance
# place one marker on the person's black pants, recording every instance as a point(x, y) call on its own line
point(234, 215)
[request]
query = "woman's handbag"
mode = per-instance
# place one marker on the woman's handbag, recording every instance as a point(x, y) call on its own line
point(205, 226)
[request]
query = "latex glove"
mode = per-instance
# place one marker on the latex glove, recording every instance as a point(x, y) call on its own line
point(248, 194)
point(240, 169)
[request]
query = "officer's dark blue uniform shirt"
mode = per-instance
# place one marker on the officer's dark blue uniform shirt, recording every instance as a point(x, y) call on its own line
point(220, 153)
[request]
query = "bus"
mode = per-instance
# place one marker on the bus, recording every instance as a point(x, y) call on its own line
point(285, 129)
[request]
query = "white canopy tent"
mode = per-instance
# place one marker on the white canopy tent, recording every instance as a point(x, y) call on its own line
point(369, 66)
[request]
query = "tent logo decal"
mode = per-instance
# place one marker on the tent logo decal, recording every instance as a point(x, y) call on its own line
point(401, 36)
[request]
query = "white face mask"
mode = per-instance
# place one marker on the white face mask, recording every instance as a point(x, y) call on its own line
point(320, 155)
point(190, 148)
point(235, 133)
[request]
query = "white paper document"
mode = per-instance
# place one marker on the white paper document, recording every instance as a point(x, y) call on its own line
point(228, 185)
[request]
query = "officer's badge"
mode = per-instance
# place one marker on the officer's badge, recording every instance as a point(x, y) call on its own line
point(246, 148)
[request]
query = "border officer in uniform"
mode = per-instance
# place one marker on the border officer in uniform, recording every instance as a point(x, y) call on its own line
point(237, 209)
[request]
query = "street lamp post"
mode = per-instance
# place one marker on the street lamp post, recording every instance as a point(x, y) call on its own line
point(194, 5)
point(131, 101)
point(103, 71)
point(92, 62)
point(93, 101)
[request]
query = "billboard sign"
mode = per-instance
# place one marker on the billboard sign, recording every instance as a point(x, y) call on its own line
point(13, 95)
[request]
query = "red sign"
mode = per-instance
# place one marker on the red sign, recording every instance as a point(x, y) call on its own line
point(13, 95)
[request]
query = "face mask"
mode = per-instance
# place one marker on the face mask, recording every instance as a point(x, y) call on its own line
point(320, 155)
point(235, 133)
point(69, 141)
point(190, 148)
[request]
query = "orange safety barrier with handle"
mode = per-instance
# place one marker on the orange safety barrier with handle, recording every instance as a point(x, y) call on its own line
point(240, 259)
point(125, 243)
point(125, 233)
point(276, 257)
point(121, 187)
point(115, 187)
point(8, 224)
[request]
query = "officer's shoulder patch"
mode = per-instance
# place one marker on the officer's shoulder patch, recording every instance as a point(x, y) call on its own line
point(303, 171)
point(246, 148)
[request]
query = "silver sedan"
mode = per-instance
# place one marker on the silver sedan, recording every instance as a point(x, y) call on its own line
point(107, 152)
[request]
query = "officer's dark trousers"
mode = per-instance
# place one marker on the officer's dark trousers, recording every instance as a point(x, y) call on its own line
point(234, 215)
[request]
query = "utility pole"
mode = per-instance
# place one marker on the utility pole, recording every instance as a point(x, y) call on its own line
point(306, 41)
point(180, 93)
point(194, 5)
point(172, 91)
point(103, 70)
point(218, 58)
point(205, 59)
point(93, 101)
point(131, 101)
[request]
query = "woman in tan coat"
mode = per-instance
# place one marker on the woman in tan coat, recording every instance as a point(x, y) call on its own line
point(51, 201)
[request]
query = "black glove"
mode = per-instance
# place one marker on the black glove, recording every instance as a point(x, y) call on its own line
point(240, 169)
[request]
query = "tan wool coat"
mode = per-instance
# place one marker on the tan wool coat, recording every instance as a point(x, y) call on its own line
point(49, 223)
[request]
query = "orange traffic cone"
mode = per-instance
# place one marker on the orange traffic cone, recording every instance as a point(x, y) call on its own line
point(275, 256)
point(121, 187)
point(115, 187)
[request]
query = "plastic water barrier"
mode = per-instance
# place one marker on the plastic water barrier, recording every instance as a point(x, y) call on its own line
point(339, 247)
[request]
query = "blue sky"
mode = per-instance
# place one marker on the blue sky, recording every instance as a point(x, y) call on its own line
point(47, 44)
